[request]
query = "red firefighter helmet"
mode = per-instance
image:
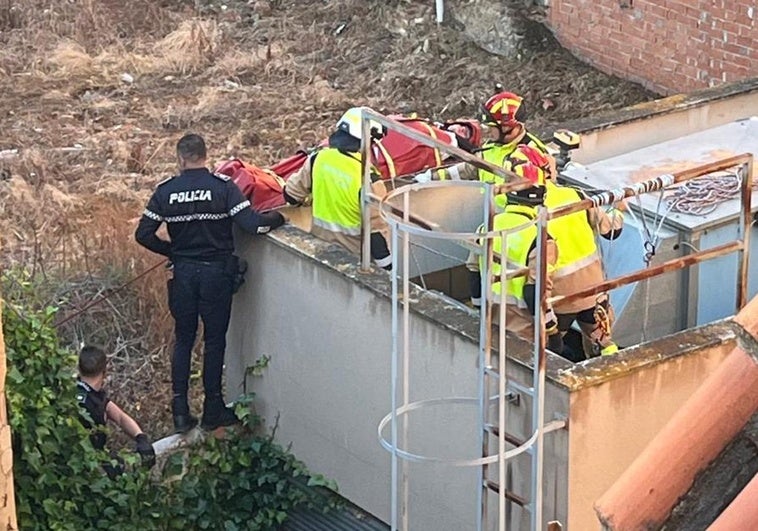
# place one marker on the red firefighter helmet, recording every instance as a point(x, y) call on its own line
point(526, 153)
point(532, 165)
point(504, 109)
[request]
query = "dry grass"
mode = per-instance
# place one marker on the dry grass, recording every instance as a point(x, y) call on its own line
point(258, 79)
point(193, 45)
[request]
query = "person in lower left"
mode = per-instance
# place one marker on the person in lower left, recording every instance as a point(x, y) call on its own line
point(95, 402)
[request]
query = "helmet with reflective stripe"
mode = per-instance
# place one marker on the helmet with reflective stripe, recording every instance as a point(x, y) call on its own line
point(527, 153)
point(530, 164)
point(504, 109)
point(350, 123)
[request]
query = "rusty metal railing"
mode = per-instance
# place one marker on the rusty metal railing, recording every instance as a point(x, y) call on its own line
point(739, 246)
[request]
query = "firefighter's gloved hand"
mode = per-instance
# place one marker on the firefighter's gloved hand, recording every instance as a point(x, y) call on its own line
point(424, 176)
point(145, 450)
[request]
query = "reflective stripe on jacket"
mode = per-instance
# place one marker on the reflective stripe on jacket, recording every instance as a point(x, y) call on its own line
point(519, 244)
point(573, 234)
point(336, 191)
point(496, 154)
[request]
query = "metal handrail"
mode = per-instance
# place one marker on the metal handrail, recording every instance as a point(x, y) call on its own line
point(513, 181)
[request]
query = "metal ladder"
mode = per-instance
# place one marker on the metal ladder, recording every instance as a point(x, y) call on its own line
point(507, 393)
point(508, 446)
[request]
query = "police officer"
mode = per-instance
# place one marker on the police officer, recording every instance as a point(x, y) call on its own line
point(199, 208)
point(94, 400)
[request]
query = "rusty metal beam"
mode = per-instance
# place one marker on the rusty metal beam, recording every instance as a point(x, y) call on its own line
point(515, 441)
point(515, 498)
point(746, 222)
point(642, 274)
point(612, 196)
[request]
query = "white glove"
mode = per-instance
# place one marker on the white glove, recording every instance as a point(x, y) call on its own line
point(424, 176)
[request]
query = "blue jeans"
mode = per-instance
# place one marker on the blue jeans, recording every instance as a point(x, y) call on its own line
point(199, 289)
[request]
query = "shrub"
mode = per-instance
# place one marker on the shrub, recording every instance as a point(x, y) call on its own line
point(243, 481)
point(58, 477)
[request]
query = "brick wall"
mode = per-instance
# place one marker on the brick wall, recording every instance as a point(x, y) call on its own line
point(670, 46)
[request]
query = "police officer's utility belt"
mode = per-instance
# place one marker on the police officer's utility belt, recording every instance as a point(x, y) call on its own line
point(232, 265)
point(221, 261)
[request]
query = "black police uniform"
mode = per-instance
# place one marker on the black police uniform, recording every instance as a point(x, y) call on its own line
point(93, 402)
point(199, 208)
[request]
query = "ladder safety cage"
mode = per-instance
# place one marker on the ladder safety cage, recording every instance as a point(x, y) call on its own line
point(402, 228)
point(368, 198)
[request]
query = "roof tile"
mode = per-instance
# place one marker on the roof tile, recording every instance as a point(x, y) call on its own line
point(645, 494)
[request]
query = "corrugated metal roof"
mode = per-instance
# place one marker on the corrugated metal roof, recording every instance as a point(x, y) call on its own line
point(347, 518)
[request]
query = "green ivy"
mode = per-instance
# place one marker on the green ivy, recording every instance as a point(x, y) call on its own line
point(241, 482)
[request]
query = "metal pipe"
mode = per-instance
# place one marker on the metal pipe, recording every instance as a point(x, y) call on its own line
point(366, 193)
point(393, 379)
point(484, 359)
point(440, 8)
point(612, 196)
point(665, 267)
point(540, 358)
point(406, 352)
point(745, 228)
point(501, 387)
point(400, 213)
point(513, 181)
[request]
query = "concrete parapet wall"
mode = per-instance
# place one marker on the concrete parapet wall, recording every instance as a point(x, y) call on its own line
point(631, 128)
point(326, 328)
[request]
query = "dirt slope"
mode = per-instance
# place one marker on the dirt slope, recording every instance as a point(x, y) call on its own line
point(95, 93)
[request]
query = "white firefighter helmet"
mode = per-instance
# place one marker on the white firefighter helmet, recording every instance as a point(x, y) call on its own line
point(350, 122)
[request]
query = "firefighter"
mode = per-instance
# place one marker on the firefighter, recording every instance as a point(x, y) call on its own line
point(199, 208)
point(579, 262)
point(502, 118)
point(331, 179)
point(521, 252)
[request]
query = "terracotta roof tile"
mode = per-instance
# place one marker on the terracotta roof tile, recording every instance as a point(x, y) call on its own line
point(748, 318)
point(645, 494)
point(742, 513)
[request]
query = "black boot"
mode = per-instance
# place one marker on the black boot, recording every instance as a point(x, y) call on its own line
point(216, 414)
point(183, 420)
